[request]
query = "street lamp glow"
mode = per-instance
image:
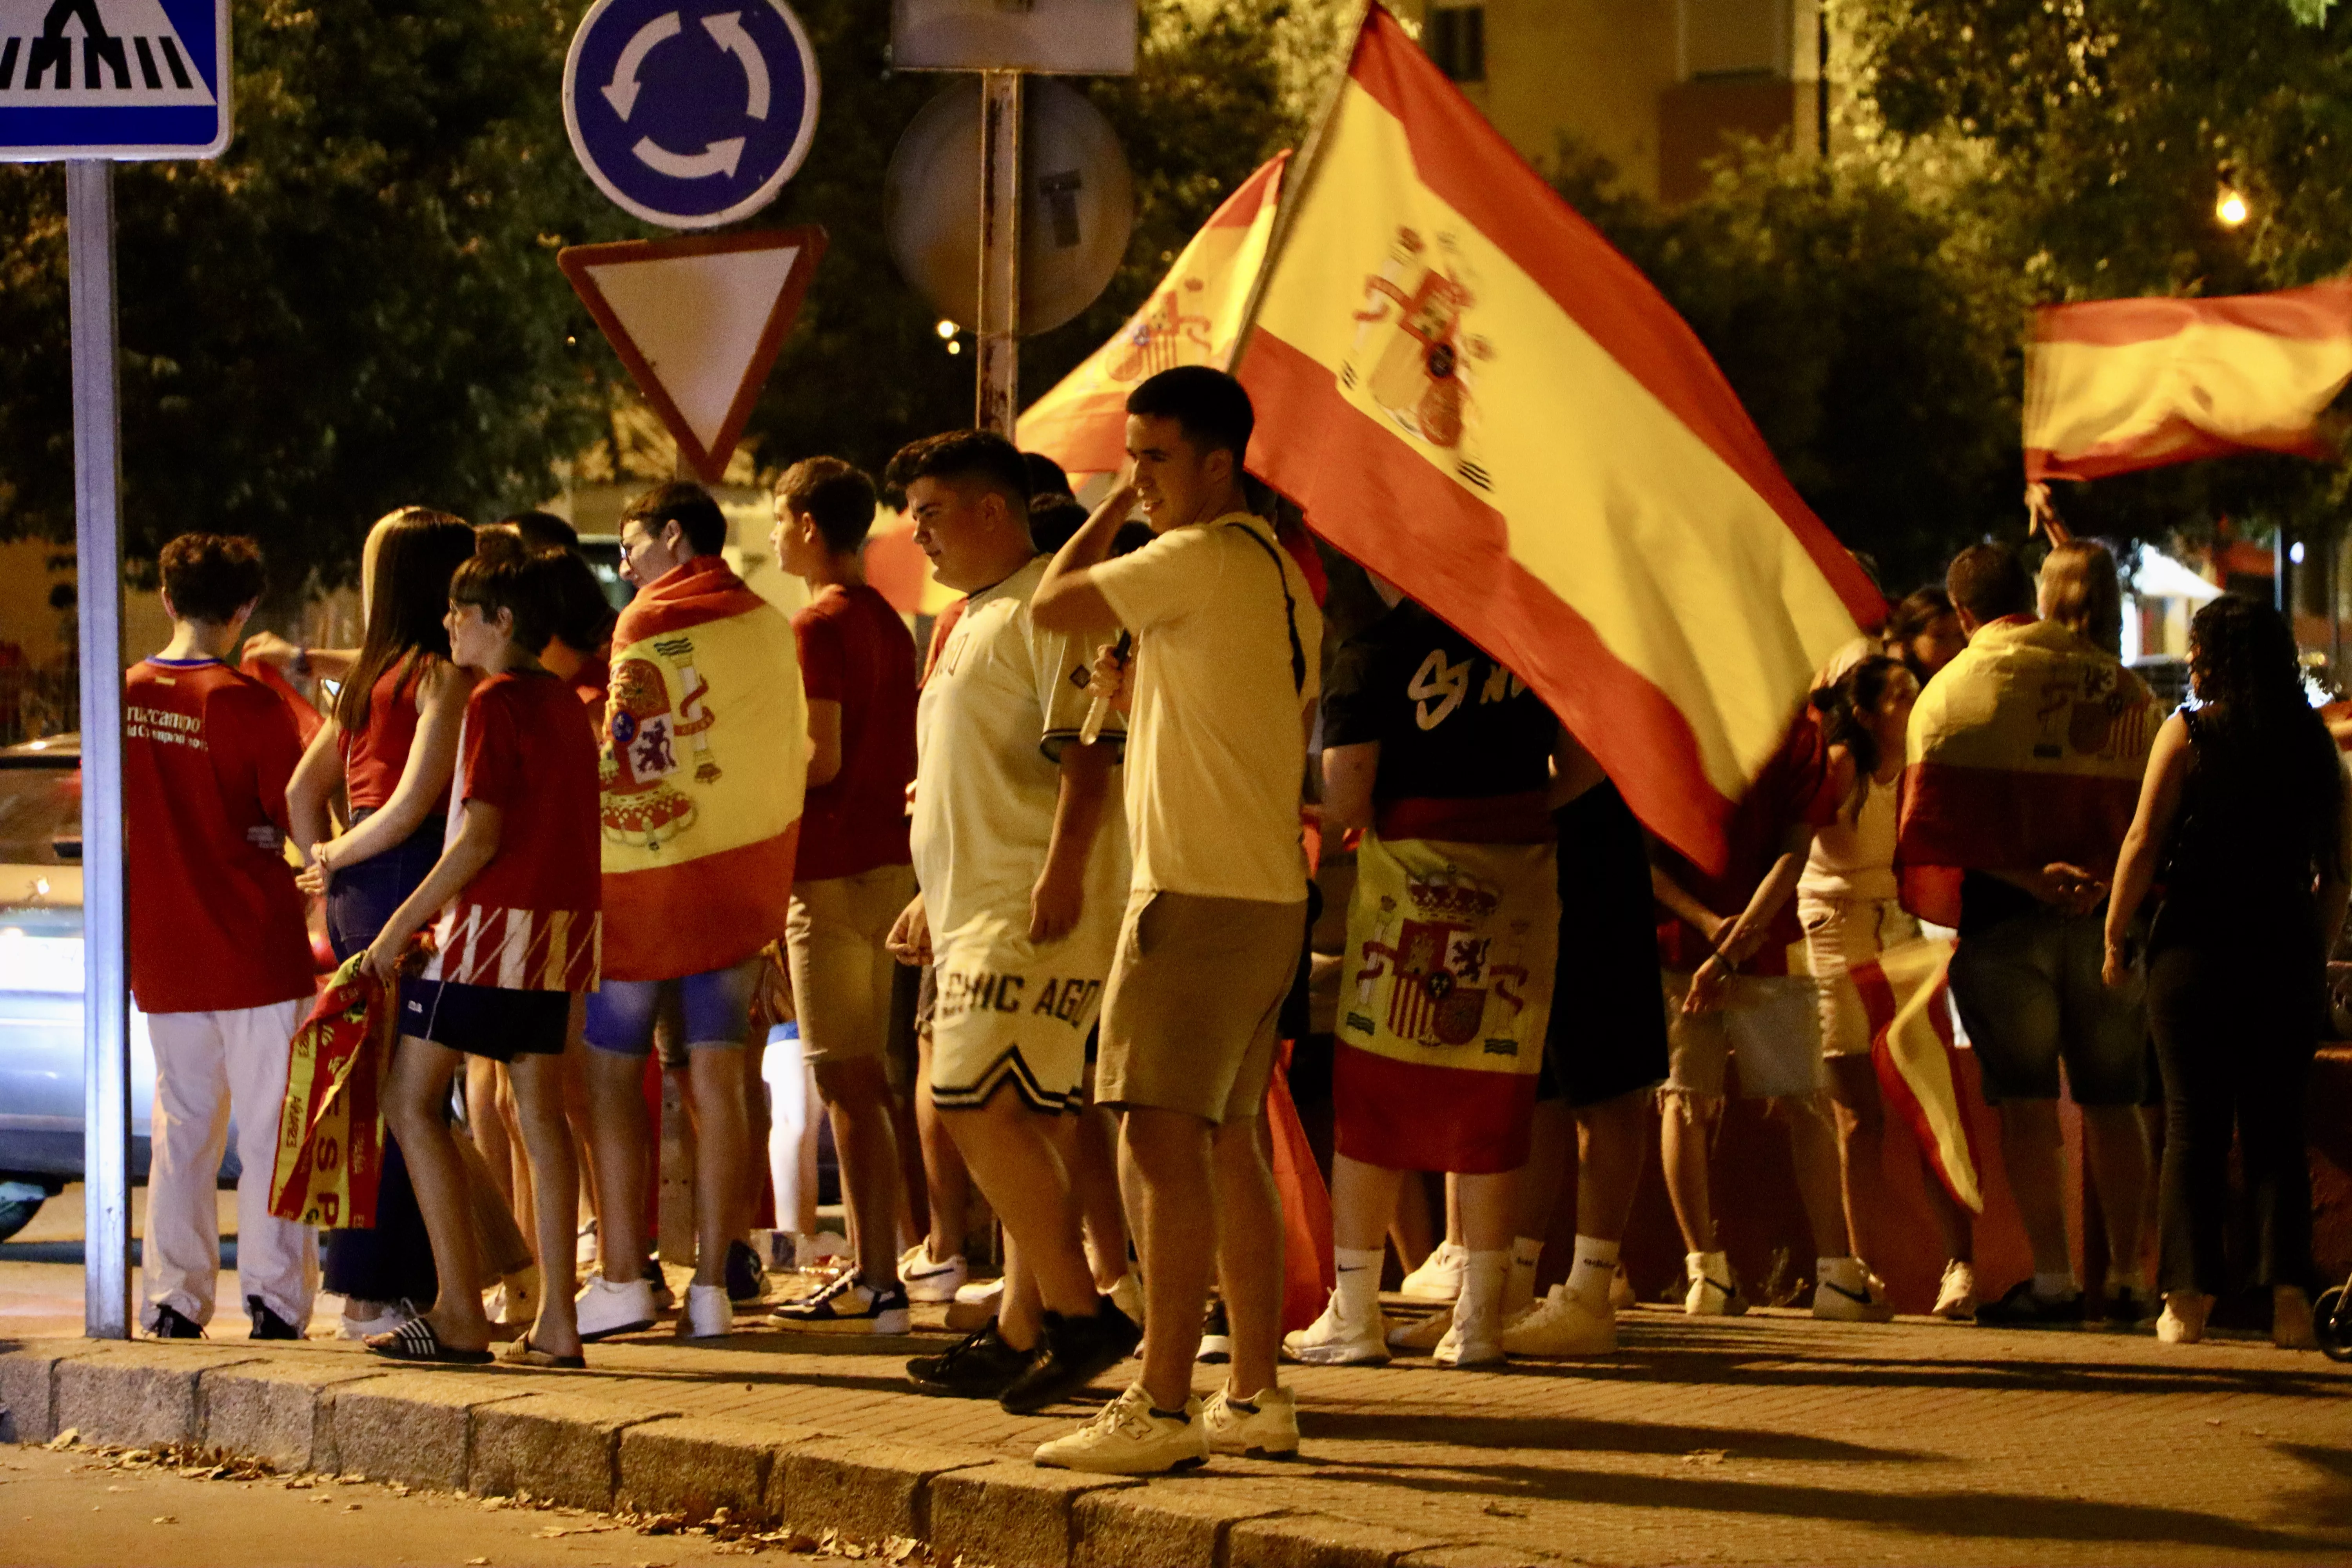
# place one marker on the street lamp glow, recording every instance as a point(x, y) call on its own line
point(947, 329)
point(2231, 209)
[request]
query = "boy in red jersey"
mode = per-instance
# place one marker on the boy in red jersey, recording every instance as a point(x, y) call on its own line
point(518, 897)
point(220, 961)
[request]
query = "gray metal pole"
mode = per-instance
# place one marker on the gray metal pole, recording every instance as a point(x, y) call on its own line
point(999, 328)
point(98, 571)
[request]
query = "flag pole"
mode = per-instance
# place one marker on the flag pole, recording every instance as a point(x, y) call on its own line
point(1296, 183)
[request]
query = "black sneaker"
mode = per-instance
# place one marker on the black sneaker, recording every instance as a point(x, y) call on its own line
point(979, 1366)
point(2128, 1308)
point(267, 1324)
point(2021, 1309)
point(1071, 1354)
point(747, 1281)
point(170, 1323)
point(1216, 1335)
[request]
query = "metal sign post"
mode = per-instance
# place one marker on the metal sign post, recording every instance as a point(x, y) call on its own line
point(98, 573)
point(998, 327)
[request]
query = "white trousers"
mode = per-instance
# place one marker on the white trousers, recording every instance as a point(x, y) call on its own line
point(208, 1067)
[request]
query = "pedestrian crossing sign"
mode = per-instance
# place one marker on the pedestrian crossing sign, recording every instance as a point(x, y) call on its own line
point(113, 79)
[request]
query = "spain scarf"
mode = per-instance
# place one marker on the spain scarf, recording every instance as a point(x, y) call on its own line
point(705, 764)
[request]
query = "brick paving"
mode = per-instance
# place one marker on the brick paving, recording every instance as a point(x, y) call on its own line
point(1771, 1439)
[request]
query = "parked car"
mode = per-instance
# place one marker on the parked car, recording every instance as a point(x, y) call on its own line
point(41, 985)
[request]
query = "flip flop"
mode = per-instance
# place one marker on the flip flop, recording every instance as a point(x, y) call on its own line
point(415, 1341)
point(522, 1352)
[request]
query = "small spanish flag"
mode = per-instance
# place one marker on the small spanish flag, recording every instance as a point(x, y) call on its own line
point(1905, 995)
point(1467, 390)
point(1192, 318)
point(2111, 386)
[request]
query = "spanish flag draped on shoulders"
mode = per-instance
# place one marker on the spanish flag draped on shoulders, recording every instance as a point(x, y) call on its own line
point(2024, 751)
point(705, 766)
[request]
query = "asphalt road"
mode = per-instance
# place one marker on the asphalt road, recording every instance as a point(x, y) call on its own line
point(65, 1510)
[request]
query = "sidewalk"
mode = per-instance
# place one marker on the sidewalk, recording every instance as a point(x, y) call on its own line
point(1771, 1439)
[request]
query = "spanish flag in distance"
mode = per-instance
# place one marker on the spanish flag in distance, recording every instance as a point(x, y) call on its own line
point(1192, 318)
point(1467, 390)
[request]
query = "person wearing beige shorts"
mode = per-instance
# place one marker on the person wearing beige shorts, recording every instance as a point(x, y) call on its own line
point(842, 969)
point(1195, 990)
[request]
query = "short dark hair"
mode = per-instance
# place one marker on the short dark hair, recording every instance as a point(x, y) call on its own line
point(519, 581)
point(981, 454)
point(1207, 406)
point(687, 505)
point(836, 497)
point(1989, 581)
point(1052, 518)
point(212, 576)
point(1046, 477)
point(542, 529)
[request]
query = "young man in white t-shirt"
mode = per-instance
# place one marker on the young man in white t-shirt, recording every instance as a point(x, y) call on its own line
point(1022, 858)
point(1224, 682)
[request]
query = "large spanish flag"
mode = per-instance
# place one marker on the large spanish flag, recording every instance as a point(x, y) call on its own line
point(2111, 386)
point(2026, 750)
point(1471, 393)
point(1192, 318)
point(706, 762)
point(1905, 995)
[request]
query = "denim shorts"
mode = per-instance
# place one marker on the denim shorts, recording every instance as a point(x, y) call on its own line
point(717, 1006)
point(2028, 993)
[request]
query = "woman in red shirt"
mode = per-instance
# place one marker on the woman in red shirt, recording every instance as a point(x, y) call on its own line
point(390, 746)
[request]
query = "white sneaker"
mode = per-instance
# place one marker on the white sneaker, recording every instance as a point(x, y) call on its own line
point(1128, 1437)
point(1332, 1339)
point(1563, 1325)
point(1421, 1334)
point(1956, 1296)
point(1438, 1278)
point(1856, 1295)
point(1469, 1342)
point(708, 1314)
point(1621, 1290)
point(927, 1279)
point(1266, 1425)
point(1711, 1297)
point(363, 1317)
point(607, 1309)
point(1127, 1295)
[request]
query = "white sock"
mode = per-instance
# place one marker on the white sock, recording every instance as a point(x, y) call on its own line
point(1714, 1266)
point(1358, 1271)
point(1520, 1290)
point(1480, 1308)
point(1594, 1270)
point(2054, 1287)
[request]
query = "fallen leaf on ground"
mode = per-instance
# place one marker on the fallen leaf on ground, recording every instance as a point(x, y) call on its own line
point(1706, 1455)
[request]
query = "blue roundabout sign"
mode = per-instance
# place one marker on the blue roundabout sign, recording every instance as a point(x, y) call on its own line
point(690, 114)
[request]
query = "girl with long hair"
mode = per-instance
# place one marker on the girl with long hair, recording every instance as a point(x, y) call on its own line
point(1847, 902)
point(2241, 815)
point(390, 746)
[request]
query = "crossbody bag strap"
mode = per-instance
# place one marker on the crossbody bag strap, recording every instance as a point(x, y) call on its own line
point(1289, 607)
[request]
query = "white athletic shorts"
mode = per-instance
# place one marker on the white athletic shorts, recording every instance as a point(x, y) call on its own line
point(1009, 1010)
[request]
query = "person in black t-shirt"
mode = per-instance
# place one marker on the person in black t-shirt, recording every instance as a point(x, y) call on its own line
point(1442, 756)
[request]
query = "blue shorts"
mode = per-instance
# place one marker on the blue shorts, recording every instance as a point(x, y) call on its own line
point(485, 1020)
point(717, 1006)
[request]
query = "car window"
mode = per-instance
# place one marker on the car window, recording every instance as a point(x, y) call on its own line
point(39, 807)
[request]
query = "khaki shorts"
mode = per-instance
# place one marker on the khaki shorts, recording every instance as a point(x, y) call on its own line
point(1839, 934)
point(1194, 995)
point(1772, 1024)
point(833, 938)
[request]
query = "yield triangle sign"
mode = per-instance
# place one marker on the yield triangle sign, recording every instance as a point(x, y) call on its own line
point(699, 321)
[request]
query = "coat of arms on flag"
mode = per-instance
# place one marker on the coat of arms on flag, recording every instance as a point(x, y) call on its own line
point(1450, 949)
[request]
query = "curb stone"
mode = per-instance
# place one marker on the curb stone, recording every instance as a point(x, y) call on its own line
point(559, 1447)
point(1472, 1555)
point(279, 1411)
point(1153, 1527)
point(694, 1466)
point(869, 1492)
point(29, 1390)
point(1319, 1540)
point(142, 1394)
point(412, 1426)
point(1012, 1512)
